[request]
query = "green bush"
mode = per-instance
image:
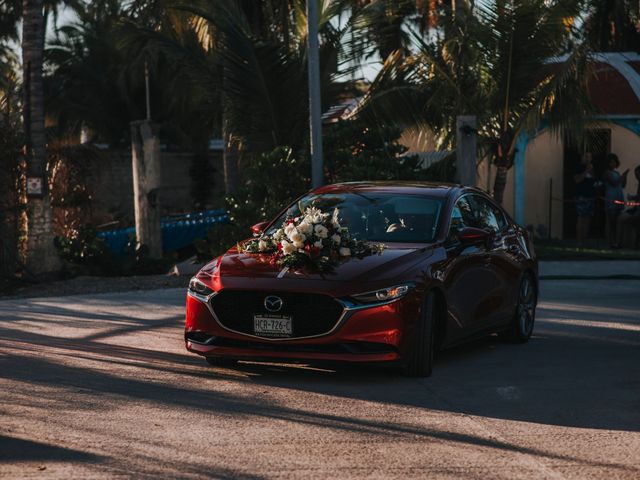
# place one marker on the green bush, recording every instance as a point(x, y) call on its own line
point(84, 253)
point(272, 181)
point(355, 151)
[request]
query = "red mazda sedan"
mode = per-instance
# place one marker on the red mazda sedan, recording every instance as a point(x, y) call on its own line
point(454, 266)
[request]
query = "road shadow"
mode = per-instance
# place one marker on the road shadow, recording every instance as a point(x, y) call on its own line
point(574, 379)
point(14, 449)
point(573, 374)
point(91, 389)
point(581, 372)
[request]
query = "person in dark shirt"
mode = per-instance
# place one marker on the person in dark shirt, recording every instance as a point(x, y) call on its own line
point(614, 183)
point(629, 221)
point(585, 197)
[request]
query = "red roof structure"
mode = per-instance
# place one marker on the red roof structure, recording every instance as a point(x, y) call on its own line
point(615, 85)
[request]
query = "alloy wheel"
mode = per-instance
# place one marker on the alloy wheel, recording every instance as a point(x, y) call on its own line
point(526, 306)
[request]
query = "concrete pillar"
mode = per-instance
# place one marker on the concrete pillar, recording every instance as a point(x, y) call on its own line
point(41, 255)
point(466, 149)
point(519, 178)
point(145, 156)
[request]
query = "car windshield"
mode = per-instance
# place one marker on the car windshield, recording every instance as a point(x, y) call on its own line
point(379, 217)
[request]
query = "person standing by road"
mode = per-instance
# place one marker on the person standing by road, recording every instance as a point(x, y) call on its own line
point(585, 197)
point(630, 220)
point(614, 183)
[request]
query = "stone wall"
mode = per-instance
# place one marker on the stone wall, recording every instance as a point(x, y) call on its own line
point(110, 183)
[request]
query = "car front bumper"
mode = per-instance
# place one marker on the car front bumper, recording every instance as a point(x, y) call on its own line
point(372, 334)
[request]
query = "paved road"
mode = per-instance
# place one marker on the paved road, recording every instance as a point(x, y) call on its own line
point(100, 387)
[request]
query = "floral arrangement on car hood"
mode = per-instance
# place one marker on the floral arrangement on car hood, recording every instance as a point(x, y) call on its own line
point(314, 238)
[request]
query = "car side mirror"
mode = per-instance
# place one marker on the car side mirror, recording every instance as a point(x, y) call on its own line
point(473, 236)
point(258, 228)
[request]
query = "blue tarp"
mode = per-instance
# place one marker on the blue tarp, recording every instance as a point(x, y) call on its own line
point(177, 231)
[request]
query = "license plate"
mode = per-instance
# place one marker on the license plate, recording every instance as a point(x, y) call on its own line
point(272, 326)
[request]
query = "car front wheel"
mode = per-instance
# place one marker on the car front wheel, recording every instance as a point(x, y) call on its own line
point(420, 360)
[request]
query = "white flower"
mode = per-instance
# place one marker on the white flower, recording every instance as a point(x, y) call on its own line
point(315, 215)
point(334, 220)
point(312, 212)
point(262, 245)
point(335, 238)
point(287, 248)
point(279, 235)
point(297, 237)
point(345, 252)
point(290, 229)
point(305, 227)
point(321, 231)
point(318, 244)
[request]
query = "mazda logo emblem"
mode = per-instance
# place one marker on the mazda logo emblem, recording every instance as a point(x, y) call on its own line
point(273, 303)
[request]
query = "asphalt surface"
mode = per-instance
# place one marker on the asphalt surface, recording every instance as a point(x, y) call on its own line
point(101, 387)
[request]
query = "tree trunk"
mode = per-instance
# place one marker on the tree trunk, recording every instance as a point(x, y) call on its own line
point(230, 154)
point(500, 184)
point(230, 161)
point(41, 252)
point(145, 153)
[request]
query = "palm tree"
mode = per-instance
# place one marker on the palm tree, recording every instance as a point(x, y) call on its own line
point(614, 25)
point(10, 11)
point(256, 66)
point(91, 83)
point(9, 138)
point(493, 63)
point(41, 252)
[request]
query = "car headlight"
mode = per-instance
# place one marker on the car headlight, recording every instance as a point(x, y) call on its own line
point(199, 288)
point(383, 295)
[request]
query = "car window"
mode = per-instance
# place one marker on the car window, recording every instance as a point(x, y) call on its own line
point(502, 221)
point(488, 216)
point(461, 217)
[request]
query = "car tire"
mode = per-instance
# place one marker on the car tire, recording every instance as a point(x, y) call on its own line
point(221, 361)
point(420, 360)
point(521, 326)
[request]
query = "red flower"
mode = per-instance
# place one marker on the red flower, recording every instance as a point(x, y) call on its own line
point(312, 251)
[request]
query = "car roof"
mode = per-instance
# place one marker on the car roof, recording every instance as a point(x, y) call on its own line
point(435, 189)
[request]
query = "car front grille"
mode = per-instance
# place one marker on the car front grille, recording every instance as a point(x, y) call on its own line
point(312, 314)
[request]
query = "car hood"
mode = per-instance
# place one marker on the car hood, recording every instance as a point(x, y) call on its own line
point(390, 263)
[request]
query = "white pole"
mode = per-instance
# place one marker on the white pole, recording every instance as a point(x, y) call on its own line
point(315, 107)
